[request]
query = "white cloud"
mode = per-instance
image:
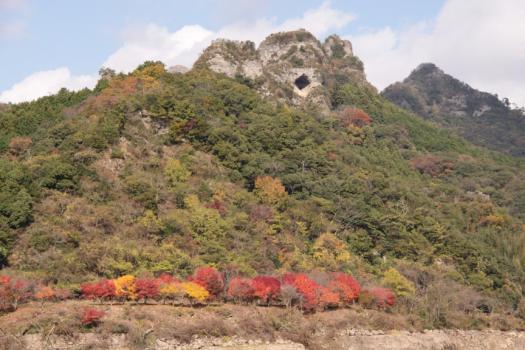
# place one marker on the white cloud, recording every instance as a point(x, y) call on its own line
point(480, 42)
point(158, 43)
point(180, 47)
point(184, 45)
point(45, 83)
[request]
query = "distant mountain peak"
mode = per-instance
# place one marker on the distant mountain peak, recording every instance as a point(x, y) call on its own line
point(478, 116)
point(427, 69)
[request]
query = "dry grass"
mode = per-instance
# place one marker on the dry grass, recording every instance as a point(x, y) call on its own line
point(142, 324)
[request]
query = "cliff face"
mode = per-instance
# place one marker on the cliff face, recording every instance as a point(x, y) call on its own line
point(295, 66)
point(478, 116)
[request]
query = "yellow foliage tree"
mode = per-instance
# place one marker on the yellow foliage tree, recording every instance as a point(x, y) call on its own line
point(270, 190)
point(400, 285)
point(172, 291)
point(176, 172)
point(194, 291)
point(330, 252)
point(125, 287)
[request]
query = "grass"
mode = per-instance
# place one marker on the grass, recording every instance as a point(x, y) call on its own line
point(142, 324)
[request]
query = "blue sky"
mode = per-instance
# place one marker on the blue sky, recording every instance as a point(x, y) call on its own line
point(38, 36)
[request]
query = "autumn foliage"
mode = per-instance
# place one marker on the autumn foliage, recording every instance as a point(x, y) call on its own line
point(432, 165)
point(381, 298)
point(355, 117)
point(309, 292)
point(266, 288)
point(210, 279)
point(91, 316)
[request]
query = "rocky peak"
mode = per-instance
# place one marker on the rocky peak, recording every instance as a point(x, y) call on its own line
point(478, 116)
point(294, 66)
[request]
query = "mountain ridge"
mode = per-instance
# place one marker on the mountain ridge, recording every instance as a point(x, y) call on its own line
point(478, 116)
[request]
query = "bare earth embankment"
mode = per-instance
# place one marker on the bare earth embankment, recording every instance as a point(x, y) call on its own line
point(58, 326)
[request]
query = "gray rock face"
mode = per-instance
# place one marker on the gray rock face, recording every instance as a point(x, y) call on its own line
point(178, 69)
point(295, 66)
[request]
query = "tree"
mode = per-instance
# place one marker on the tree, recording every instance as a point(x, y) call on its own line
point(125, 287)
point(209, 278)
point(355, 117)
point(147, 288)
point(330, 252)
point(266, 288)
point(20, 145)
point(195, 292)
point(172, 291)
point(306, 287)
point(401, 286)
point(289, 295)
point(241, 289)
point(101, 290)
point(345, 286)
point(432, 165)
point(270, 190)
point(167, 278)
point(176, 172)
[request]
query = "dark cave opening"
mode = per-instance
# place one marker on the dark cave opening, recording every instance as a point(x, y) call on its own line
point(302, 82)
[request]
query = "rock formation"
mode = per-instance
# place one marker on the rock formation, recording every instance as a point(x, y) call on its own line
point(295, 66)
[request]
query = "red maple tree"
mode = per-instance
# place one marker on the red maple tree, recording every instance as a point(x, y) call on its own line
point(241, 289)
point(147, 288)
point(210, 279)
point(266, 288)
point(103, 289)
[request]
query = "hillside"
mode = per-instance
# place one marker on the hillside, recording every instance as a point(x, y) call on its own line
point(478, 116)
point(153, 172)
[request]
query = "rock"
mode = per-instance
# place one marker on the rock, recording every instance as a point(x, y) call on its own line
point(294, 65)
point(178, 69)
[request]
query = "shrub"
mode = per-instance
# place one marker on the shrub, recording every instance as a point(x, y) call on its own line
point(14, 292)
point(401, 286)
point(432, 165)
point(91, 316)
point(355, 117)
point(45, 293)
point(381, 298)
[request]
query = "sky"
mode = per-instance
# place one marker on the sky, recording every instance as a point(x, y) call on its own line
point(49, 44)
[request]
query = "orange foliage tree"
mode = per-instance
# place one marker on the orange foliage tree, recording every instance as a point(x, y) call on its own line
point(270, 190)
point(355, 117)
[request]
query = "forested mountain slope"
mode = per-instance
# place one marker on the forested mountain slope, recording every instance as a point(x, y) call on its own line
point(478, 116)
point(157, 172)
